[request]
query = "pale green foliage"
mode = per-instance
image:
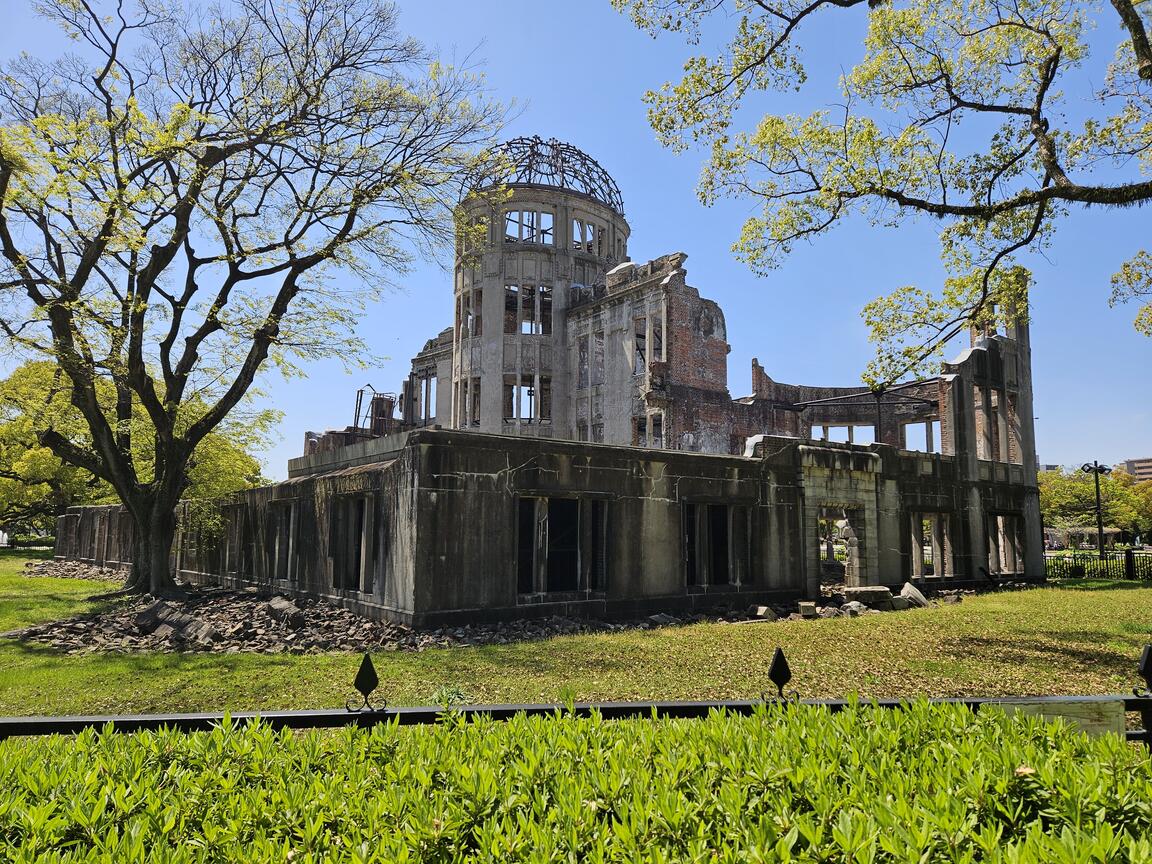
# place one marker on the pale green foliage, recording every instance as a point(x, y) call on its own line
point(1134, 281)
point(953, 110)
point(36, 485)
point(788, 784)
point(1068, 501)
point(910, 322)
point(177, 200)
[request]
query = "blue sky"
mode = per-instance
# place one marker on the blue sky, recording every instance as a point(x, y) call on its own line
point(577, 70)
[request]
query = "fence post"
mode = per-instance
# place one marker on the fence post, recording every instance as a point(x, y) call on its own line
point(1129, 564)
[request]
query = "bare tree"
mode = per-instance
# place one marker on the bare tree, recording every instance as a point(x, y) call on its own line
point(175, 198)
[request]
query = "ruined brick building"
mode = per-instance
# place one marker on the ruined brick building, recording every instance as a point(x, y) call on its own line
point(569, 444)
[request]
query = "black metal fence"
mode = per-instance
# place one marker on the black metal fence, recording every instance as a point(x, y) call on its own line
point(330, 719)
point(1128, 564)
point(367, 715)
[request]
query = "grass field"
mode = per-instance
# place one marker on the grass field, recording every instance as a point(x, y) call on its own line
point(1063, 640)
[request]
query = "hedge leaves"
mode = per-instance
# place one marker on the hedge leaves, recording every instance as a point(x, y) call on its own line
point(923, 784)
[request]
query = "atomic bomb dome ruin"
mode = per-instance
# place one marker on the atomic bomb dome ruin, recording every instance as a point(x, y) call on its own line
point(568, 445)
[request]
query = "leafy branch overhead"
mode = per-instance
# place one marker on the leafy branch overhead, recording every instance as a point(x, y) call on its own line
point(954, 110)
point(176, 197)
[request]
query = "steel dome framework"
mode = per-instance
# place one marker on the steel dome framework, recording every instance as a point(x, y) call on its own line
point(555, 163)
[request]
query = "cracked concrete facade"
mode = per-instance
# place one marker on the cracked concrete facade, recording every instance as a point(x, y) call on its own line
point(569, 445)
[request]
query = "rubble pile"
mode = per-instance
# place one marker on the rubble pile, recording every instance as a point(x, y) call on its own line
point(222, 620)
point(73, 570)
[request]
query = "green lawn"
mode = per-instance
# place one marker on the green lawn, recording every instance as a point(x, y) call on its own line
point(1085, 639)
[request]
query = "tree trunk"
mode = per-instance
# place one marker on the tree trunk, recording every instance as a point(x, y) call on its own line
point(154, 533)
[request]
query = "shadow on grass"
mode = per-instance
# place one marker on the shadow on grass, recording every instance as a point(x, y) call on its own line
point(1101, 584)
point(1060, 649)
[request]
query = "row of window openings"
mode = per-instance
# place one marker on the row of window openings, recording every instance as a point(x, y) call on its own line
point(562, 544)
point(356, 541)
point(997, 425)
point(538, 226)
point(552, 542)
point(527, 310)
point(527, 398)
point(647, 430)
point(593, 372)
point(920, 436)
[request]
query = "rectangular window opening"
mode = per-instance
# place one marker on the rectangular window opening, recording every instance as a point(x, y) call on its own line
point(598, 565)
point(719, 563)
point(598, 357)
point(640, 431)
point(582, 362)
point(349, 544)
point(474, 397)
point(526, 546)
point(555, 545)
point(529, 322)
point(545, 397)
point(284, 528)
point(545, 316)
point(511, 308)
point(563, 573)
point(639, 339)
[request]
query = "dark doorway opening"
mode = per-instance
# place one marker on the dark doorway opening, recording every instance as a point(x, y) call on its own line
point(718, 558)
point(526, 547)
point(598, 569)
point(691, 547)
point(563, 544)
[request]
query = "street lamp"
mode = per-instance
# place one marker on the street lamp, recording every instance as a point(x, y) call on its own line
point(1096, 469)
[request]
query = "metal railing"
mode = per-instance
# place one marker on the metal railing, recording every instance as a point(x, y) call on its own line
point(1087, 564)
point(366, 715)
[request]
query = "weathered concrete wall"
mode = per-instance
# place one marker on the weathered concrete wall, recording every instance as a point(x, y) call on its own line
point(456, 525)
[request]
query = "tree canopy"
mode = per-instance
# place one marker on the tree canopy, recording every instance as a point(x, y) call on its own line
point(176, 196)
point(1068, 501)
point(36, 485)
point(956, 109)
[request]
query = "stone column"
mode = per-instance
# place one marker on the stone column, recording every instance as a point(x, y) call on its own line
point(995, 558)
point(917, 545)
point(938, 561)
point(943, 539)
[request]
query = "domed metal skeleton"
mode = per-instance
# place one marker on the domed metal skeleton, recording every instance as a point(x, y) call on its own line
point(552, 163)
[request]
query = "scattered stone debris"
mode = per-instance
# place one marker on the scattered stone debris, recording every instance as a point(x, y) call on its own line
point(914, 596)
point(227, 621)
point(73, 570)
point(762, 613)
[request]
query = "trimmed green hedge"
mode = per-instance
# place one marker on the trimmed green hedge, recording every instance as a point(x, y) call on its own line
point(929, 783)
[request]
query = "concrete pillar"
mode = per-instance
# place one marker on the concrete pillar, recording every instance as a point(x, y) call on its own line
point(988, 418)
point(995, 559)
point(1002, 454)
point(917, 545)
point(942, 537)
point(938, 563)
point(1008, 543)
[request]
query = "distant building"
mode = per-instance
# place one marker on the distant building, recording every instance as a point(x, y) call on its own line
point(1141, 469)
